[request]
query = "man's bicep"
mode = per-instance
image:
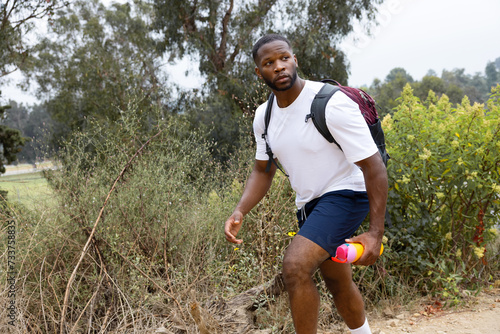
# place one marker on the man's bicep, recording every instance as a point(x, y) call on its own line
point(348, 126)
point(261, 166)
point(374, 160)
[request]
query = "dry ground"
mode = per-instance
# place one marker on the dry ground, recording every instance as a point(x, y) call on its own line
point(481, 315)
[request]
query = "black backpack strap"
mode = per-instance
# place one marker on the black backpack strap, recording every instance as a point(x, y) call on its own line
point(318, 107)
point(267, 119)
point(378, 137)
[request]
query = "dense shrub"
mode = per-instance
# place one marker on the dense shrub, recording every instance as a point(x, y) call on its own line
point(444, 189)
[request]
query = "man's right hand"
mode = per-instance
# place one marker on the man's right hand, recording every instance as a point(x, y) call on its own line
point(232, 226)
point(258, 184)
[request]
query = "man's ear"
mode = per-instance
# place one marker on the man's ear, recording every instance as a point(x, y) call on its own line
point(257, 71)
point(296, 61)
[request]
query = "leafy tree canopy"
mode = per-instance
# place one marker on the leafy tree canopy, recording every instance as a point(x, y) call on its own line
point(455, 84)
point(16, 20)
point(11, 142)
point(93, 60)
point(35, 125)
point(221, 33)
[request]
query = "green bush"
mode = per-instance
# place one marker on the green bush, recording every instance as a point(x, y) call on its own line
point(444, 189)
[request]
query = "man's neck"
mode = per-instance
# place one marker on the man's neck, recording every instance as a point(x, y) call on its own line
point(286, 97)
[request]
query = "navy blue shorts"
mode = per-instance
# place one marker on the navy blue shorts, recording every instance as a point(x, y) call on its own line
point(330, 219)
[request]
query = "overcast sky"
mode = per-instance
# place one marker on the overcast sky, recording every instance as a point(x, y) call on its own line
point(417, 35)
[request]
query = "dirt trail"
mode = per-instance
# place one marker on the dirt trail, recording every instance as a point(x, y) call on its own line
point(481, 315)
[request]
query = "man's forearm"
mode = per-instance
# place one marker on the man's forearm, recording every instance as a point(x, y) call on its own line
point(256, 188)
point(376, 188)
point(375, 175)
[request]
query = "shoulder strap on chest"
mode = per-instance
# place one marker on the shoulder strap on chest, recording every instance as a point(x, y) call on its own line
point(318, 108)
point(267, 115)
point(267, 119)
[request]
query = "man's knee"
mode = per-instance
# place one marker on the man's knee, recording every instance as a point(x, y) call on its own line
point(295, 271)
point(302, 258)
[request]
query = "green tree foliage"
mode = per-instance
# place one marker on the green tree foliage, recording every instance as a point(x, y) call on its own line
point(386, 93)
point(459, 84)
point(429, 83)
point(16, 21)
point(39, 129)
point(492, 74)
point(36, 125)
point(497, 63)
point(455, 84)
point(93, 60)
point(444, 196)
point(221, 33)
point(11, 142)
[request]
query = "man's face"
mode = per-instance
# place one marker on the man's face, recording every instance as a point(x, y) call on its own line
point(276, 65)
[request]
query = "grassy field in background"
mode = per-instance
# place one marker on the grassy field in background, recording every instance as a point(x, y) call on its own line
point(31, 189)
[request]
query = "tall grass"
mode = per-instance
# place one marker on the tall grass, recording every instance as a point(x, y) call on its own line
point(31, 190)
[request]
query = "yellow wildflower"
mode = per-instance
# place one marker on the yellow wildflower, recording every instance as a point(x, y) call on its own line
point(426, 155)
point(387, 122)
point(488, 136)
point(291, 234)
point(479, 251)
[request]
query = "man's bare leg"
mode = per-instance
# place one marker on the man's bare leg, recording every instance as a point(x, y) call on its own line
point(346, 295)
point(302, 259)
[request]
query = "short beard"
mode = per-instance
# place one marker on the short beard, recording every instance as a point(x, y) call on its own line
point(273, 86)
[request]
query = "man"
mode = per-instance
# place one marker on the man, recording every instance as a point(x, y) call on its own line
point(335, 189)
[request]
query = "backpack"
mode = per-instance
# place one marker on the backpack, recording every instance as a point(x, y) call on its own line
point(366, 105)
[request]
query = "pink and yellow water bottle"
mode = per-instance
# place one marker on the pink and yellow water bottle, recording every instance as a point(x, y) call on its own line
point(350, 252)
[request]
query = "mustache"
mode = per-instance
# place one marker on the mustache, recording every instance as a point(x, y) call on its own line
point(281, 76)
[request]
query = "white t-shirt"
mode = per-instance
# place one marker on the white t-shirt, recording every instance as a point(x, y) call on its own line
point(314, 165)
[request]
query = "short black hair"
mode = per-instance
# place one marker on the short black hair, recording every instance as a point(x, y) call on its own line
point(268, 39)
